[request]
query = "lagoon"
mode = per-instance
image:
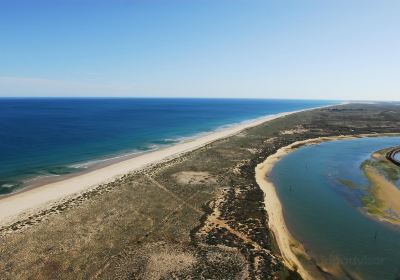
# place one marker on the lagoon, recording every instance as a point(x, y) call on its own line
point(324, 214)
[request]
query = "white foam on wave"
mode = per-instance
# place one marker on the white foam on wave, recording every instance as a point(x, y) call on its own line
point(30, 180)
point(168, 142)
point(87, 164)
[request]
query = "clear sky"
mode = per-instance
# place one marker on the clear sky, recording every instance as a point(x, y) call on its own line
point(339, 49)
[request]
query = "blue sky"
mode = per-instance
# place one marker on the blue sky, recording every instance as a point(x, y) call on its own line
point(206, 48)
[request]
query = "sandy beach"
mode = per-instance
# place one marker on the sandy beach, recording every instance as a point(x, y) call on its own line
point(24, 203)
point(385, 191)
point(387, 195)
point(292, 251)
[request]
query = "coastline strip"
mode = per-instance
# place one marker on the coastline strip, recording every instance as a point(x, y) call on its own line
point(276, 222)
point(24, 203)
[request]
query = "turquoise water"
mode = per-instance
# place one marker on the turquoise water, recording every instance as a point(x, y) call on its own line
point(41, 137)
point(323, 214)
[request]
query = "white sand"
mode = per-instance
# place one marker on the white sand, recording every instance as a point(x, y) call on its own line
point(19, 205)
point(288, 246)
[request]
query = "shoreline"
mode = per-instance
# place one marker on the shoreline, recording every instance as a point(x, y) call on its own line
point(293, 253)
point(84, 167)
point(88, 166)
point(386, 207)
point(15, 206)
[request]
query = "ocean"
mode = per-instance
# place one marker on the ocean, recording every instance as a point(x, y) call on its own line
point(325, 216)
point(53, 137)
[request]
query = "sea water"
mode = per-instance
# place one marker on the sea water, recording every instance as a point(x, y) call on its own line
point(50, 137)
